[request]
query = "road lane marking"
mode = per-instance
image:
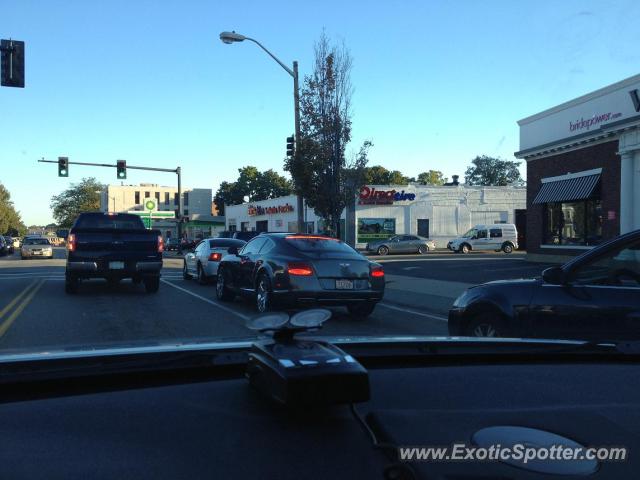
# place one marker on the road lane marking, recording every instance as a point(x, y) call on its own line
point(16, 299)
point(204, 299)
point(18, 310)
point(442, 318)
point(441, 259)
point(44, 277)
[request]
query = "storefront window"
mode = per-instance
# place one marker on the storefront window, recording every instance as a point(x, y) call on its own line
point(574, 223)
point(370, 229)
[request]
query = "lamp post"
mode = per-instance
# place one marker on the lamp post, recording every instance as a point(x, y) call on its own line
point(233, 37)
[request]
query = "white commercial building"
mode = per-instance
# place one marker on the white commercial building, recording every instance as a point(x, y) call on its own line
point(196, 205)
point(437, 212)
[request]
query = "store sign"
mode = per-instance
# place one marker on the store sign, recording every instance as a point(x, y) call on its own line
point(371, 196)
point(256, 210)
point(590, 114)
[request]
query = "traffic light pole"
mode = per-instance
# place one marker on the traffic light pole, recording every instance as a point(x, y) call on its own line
point(302, 227)
point(177, 171)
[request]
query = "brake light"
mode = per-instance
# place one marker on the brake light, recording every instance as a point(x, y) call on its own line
point(310, 237)
point(160, 244)
point(71, 243)
point(377, 272)
point(300, 269)
point(215, 257)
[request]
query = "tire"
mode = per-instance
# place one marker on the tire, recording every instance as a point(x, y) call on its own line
point(70, 284)
point(263, 294)
point(185, 273)
point(136, 280)
point(22, 257)
point(223, 292)
point(507, 248)
point(361, 310)
point(202, 277)
point(151, 284)
point(485, 325)
point(383, 250)
point(464, 248)
point(422, 249)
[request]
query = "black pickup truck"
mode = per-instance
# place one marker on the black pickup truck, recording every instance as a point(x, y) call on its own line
point(113, 246)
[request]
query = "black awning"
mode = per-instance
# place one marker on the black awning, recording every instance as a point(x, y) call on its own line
point(577, 188)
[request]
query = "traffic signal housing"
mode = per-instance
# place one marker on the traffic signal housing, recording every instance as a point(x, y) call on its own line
point(121, 168)
point(63, 166)
point(291, 149)
point(12, 63)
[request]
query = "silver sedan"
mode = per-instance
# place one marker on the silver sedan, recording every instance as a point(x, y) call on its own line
point(402, 244)
point(202, 262)
point(36, 248)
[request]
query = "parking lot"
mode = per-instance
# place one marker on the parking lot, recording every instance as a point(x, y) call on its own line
point(419, 292)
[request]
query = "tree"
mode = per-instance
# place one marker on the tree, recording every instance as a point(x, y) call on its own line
point(490, 171)
point(253, 184)
point(432, 177)
point(377, 175)
point(79, 197)
point(10, 220)
point(320, 170)
point(397, 178)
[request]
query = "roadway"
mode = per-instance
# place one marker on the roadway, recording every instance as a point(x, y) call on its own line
point(36, 314)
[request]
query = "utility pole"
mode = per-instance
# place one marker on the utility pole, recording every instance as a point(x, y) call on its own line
point(296, 100)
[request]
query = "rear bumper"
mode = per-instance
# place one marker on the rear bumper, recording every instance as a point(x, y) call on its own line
point(88, 269)
point(327, 297)
point(31, 254)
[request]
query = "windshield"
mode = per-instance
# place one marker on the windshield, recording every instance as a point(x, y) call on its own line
point(36, 241)
point(190, 169)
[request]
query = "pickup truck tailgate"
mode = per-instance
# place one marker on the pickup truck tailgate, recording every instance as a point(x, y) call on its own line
point(115, 242)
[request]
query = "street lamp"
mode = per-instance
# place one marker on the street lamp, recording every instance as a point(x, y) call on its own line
point(233, 37)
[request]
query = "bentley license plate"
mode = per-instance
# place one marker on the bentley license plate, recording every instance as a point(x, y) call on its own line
point(116, 265)
point(344, 284)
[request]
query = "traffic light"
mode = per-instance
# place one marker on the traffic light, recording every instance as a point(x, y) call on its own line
point(12, 63)
point(121, 169)
point(291, 146)
point(63, 166)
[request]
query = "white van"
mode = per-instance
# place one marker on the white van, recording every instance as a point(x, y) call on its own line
point(500, 236)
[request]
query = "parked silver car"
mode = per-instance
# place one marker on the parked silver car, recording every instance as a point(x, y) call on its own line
point(36, 247)
point(402, 244)
point(202, 262)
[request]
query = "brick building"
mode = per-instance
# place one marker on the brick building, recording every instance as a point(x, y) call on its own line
point(583, 171)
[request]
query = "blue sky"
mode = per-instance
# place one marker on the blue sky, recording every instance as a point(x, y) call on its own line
point(436, 83)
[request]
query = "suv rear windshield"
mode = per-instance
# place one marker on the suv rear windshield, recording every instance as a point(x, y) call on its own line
point(109, 221)
point(318, 244)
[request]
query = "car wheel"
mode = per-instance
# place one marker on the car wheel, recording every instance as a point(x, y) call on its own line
point(136, 280)
point(383, 250)
point(507, 248)
point(361, 310)
point(202, 277)
point(70, 284)
point(185, 273)
point(422, 249)
point(485, 325)
point(465, 248)
point(152, 284)
point(263, 294)
point(222, 290)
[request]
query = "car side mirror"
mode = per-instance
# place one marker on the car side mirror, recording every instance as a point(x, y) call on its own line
point(554, 276)
point(232, 250)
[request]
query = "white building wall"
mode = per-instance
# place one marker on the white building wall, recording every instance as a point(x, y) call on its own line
point(122, 198)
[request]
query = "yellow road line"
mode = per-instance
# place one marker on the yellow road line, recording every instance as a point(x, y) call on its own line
point(15, 300)
point(7, 323)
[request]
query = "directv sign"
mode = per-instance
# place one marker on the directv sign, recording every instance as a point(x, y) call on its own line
point(371, 196)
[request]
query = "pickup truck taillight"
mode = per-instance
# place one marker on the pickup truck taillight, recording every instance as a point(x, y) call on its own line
point(160, 244)
point(71, 242)
point(215, 257)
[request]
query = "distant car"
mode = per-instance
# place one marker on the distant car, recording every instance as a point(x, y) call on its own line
point(246, 236)
point(36, 247)
point(172, 244)
point(298, 269)
point(9, 242)
point(203, 261)
point(496, 237)
point(401, 244)
point(16, 242)
point(595, 296)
